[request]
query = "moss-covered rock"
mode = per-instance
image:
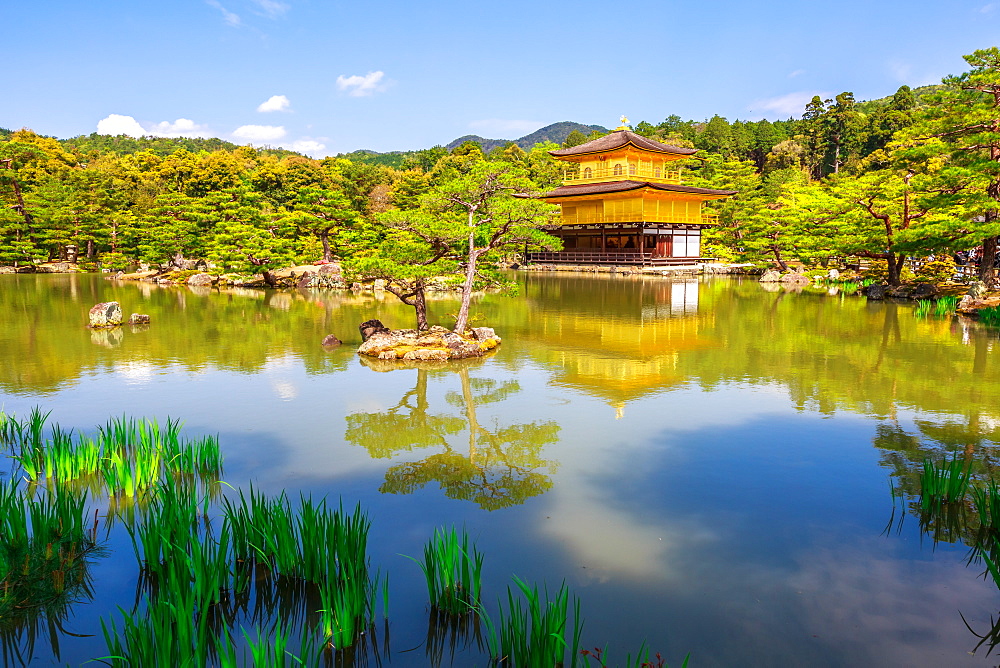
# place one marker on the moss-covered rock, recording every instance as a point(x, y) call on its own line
point(436, 344)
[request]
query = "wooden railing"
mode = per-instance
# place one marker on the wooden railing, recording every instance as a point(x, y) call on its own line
point(608, 257)
point(572, 175)
point(580, 219)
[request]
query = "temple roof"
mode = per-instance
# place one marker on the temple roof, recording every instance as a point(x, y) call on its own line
point(624, 186)
point(618, 139)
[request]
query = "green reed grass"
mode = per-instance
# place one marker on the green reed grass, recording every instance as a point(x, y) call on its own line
point(129, 456)
point(946, 305)
point(990, 315)
point(173, 632)
point(534, 633)
point(924, 308)
point(45, 551)
point(453, 572)
point(849, 287)
point(313, 544)
point(12, 430)
point(348, 607)
point(642, 658)
point(271, 649)
point(944, 483)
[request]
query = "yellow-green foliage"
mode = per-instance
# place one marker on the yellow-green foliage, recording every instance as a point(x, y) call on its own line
point(879, 270)
point(940, 270)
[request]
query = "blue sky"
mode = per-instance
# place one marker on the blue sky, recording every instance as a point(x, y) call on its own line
point(326, 76)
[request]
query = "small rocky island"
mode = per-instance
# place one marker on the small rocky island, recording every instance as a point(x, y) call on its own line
point(437, 343)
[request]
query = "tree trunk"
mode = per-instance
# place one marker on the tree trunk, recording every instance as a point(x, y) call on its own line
point(894, 267)
point(470, 412)
point(470, 276)
point(420, 306)
point(90, 249)
point(782, 265)
point(324, 237)
point(987, 264)
point(21, 208)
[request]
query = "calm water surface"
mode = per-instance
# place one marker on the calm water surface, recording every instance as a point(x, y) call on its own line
point(705, 464)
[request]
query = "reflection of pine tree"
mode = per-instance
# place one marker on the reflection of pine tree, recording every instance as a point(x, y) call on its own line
point(498, 470)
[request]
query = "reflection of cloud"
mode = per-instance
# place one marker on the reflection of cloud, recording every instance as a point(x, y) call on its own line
point(285, 390)
point(608, 541)
point(135, 373)
point(860, 596)
point(591, 523)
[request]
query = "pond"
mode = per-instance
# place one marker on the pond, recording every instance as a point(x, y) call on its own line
point(706, 464)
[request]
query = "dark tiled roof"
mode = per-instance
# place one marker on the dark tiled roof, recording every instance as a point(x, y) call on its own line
point(623, 186)
point(620, 138)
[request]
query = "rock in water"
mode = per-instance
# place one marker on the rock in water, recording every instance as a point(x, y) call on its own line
point(106, 314)
point(795, 278)
point(977, 289)
point(770, 276)
point(370, 327)
point(138, 319)
point(876, 291)
point(329, 341)
point(199, 279)
point(484, 333)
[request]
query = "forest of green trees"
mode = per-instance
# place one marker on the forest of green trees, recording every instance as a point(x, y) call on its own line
point(913, 174)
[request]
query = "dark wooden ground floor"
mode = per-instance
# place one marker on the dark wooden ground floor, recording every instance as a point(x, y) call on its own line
point(645, 244)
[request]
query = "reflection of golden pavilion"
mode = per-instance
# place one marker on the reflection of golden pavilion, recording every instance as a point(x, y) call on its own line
point(626, 355)
point(623, 202)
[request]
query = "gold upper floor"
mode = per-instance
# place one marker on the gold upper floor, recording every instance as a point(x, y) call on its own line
point(622, 164)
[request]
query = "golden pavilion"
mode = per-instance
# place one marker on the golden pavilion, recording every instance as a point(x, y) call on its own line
point(623, 203)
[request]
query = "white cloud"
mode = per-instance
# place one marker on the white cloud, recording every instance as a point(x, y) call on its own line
point(361, 86)
point(308, 146)
point(275, 103)
point(117, 124)
point(272, 8)
point(796, 73)
point(988, 9)
point(791, 104)
point(502, 126)
point(229, 17)
point(182, 127)
point(259, 133)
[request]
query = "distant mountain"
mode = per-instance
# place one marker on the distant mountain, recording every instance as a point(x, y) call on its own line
point(557, 133)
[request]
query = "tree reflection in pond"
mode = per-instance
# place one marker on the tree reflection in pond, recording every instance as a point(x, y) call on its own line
point(500, 465)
